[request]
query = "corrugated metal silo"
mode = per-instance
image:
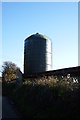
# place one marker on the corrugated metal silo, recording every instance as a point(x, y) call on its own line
point(37, 54)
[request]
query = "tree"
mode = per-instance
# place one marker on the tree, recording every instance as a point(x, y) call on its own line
point(9, 71)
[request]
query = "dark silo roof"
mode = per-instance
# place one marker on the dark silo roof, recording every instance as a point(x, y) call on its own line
point(38, 35)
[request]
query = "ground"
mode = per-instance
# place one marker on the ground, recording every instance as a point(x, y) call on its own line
point(9, 109)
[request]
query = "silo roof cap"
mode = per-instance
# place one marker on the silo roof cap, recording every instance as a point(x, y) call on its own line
point(38, 35)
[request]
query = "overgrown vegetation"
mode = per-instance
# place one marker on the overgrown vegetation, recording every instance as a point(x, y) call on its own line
point(55, 97)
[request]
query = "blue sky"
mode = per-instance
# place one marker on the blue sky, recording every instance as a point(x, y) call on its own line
point(58, 21)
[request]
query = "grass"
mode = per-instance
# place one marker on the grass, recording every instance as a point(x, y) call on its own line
point(47, 97)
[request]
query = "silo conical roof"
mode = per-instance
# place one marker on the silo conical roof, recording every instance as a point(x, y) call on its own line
point(38, 35)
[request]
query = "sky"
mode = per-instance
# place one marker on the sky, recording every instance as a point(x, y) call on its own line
point(57, 20)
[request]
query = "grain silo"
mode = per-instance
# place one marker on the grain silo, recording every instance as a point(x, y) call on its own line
point(37, 54)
